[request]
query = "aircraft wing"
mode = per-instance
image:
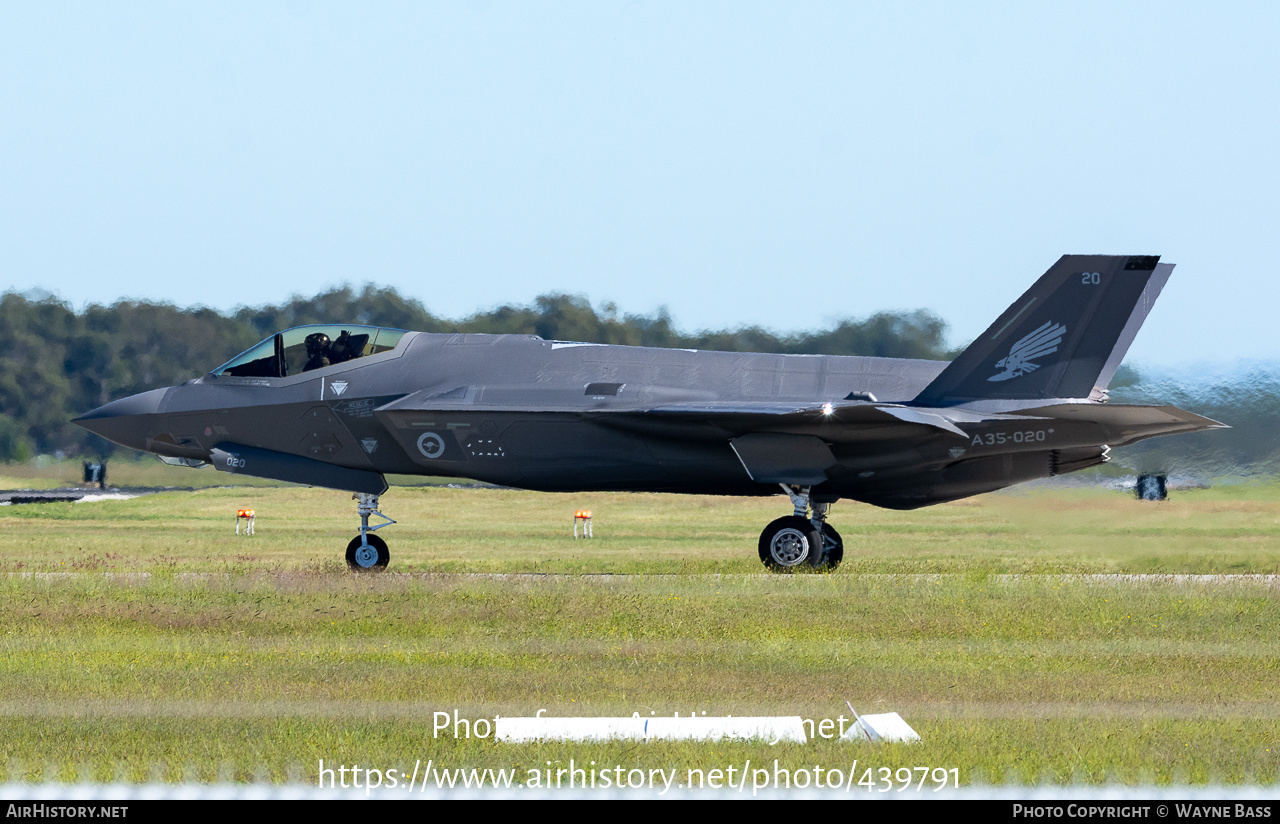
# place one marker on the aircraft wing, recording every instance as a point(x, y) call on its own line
point(656, 405)
point(1128, 422)
point(791, 443)
point(733, 415)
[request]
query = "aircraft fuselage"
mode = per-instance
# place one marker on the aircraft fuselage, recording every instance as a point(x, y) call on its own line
point(343, 406)
point(520, 411)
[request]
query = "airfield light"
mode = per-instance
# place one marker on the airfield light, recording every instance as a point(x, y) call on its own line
point(245, 515)
point(582, 516)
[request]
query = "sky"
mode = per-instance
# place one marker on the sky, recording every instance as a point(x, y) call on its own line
point(782, 164)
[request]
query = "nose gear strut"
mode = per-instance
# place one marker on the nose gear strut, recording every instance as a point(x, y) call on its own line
point(367, 551)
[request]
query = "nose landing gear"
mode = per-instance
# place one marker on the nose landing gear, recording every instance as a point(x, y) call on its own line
point(367, 551)
point(803, 537)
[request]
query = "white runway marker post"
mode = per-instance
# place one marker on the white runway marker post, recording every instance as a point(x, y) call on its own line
point(887, 726)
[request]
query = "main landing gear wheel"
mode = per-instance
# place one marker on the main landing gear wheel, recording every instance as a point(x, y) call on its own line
point(804, 538)
point(832, 548)
point(371, 556)
point(789, 542)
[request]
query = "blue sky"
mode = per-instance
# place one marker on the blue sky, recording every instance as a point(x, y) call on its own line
point(782, 164)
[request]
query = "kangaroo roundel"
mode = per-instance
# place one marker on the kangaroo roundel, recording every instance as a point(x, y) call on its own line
point(1043, 341)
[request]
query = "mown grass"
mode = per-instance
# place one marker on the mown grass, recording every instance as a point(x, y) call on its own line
point(443, 529)
point(254, 658)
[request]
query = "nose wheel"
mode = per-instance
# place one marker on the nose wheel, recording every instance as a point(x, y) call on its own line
point(803, 539)
point(368, 552)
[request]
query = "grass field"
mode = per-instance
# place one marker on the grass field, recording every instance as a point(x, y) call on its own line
point(981, 622)
point(442, 529)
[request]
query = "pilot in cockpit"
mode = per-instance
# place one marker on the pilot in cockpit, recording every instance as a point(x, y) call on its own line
point(317, 345)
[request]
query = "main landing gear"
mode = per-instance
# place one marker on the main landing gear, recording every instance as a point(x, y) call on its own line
point(367, 551)
point(803, 538)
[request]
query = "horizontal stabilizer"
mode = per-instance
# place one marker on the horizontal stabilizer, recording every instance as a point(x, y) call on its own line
point(1130, 422)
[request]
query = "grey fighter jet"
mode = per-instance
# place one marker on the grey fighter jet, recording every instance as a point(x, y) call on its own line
point(339, 406)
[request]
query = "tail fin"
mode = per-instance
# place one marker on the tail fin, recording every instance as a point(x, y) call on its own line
point(1064, 338)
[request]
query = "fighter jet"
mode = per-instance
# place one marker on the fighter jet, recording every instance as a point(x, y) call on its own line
point(340, 406)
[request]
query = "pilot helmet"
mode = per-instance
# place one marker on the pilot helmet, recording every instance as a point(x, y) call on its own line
point(316, 343)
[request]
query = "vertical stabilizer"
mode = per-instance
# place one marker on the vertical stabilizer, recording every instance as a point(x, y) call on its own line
point(1062, 339)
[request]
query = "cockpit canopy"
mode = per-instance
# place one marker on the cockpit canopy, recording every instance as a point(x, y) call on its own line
point(305, 348)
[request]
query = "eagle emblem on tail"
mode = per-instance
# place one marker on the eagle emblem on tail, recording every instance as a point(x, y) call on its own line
point(1043, 341)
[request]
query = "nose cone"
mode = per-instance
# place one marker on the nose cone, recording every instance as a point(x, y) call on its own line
point(128, 421)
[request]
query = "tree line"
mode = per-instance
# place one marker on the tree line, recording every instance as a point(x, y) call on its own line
point(56, 363)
